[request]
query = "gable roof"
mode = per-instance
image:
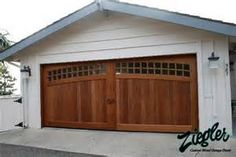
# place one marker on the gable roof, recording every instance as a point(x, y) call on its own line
point(220, 27)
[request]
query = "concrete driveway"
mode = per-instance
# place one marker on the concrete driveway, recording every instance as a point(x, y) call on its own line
point(112, 143)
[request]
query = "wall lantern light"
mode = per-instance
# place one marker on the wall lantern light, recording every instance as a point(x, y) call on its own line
point(26, 72)
point(213, 61)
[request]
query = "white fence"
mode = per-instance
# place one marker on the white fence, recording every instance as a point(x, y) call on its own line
point(11, 113)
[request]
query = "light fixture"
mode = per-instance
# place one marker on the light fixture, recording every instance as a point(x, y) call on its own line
point(213, 61)
point(26, 72)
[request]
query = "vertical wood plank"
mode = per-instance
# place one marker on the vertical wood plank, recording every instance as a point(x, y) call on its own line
point(136, 102)
point(111, 94)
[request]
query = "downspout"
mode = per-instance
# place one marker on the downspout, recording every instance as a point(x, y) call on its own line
point(25, 102)
point(25, 74)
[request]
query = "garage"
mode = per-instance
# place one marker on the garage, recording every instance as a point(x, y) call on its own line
point(157, 94)
point(118, 66)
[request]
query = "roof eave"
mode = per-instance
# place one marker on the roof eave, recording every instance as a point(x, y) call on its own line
point(198, 23)
point(136, 10)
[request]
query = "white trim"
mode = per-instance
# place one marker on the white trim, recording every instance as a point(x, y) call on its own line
point(200, 87)
point(192, 48)
point(228, 91)
point(119, 53)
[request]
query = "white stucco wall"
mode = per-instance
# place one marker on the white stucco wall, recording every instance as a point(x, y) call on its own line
point(99, 37)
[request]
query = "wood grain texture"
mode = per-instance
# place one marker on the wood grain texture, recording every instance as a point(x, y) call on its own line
point(91, 101)
point(153, 102)
point(78, 101)
point(132, 102)
point(147, 100)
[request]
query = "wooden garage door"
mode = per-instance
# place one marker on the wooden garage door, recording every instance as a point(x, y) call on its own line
point(78, 95)
point(145, 94)
point(157, 94)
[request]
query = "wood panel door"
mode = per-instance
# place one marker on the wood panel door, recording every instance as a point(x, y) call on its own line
point(145, 94)
point(157, 94)
point(78, 95)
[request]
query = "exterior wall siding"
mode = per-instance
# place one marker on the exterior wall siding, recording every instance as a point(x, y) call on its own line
point(100, 37)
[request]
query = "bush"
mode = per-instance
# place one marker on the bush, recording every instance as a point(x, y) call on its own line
point(7, 82)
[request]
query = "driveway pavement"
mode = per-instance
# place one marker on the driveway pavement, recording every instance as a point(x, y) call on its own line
point(114, 144)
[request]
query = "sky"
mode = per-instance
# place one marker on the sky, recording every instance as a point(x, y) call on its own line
point(21, 18)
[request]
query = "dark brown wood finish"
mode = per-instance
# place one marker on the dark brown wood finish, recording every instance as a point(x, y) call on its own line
point(116, 95)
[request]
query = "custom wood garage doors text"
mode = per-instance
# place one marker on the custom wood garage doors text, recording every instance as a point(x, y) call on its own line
point(144, 94)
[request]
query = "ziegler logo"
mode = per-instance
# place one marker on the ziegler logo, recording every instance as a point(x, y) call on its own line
point(212, 134)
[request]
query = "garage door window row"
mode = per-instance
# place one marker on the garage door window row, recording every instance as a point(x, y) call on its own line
point(76, 71)
point(153, 67)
